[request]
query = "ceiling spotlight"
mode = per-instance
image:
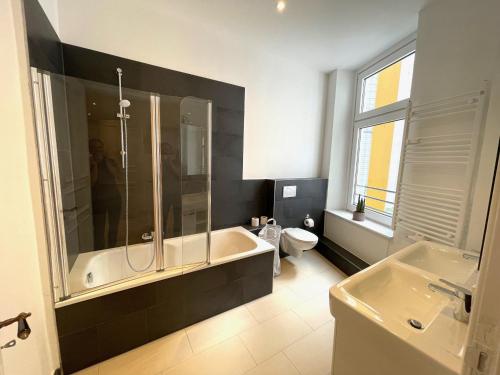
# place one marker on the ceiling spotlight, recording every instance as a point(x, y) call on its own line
point(280, 6)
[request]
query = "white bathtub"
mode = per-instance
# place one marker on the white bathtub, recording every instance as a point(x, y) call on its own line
point(107, 271)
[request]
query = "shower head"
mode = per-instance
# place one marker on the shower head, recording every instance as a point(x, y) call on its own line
point(124, 103)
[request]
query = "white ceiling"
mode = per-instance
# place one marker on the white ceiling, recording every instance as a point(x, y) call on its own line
point(322, 34)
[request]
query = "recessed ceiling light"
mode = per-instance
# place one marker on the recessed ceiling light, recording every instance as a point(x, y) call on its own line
point(280, 6)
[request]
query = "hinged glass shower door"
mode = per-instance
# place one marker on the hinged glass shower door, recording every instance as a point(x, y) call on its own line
point(186, 179)
point(108, 183)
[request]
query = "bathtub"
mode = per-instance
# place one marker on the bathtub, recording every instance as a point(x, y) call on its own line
point(102, 272)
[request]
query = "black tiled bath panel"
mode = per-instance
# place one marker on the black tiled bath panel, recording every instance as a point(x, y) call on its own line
point(100, 328)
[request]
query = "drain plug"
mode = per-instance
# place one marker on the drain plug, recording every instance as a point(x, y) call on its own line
point(415, 323)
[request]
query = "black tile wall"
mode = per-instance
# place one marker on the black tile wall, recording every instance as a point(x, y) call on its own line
point(340, 257)
point(234, 200)
point(310, 199)
point(97, 329)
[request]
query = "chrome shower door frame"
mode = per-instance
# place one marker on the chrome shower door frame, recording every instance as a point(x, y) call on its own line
point(49, 176)
point(209, 181)
point(157, 182)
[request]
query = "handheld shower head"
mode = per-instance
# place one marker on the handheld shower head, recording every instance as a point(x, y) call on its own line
point(124, 103)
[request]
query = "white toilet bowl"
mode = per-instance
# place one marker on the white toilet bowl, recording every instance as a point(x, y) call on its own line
point(294, 241)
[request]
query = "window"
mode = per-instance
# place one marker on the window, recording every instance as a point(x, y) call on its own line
point(388, 85)
point(382, 96)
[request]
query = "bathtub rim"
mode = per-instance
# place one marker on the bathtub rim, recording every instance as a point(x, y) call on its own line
point(153, 276)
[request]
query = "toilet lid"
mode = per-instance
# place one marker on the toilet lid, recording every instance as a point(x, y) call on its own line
point(301, 235)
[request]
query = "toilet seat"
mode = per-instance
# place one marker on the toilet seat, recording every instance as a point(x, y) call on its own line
point(301, 235)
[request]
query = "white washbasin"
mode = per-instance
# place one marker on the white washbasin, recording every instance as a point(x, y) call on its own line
point(393, 296)
point(373, 308)
point(447, 262)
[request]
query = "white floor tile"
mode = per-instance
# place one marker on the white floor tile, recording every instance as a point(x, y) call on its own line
point(151, 358)
point(277, 365)
point(334, 275)
point(317, 361)
point(296, 272)
point(272, 336)
point(291, 274)
point(227, 358)
point(316, 311)
point(219, 328)
point(93, 370)
point(273, 304)
point(276, 331)
point(311, 262)
point(315, 285)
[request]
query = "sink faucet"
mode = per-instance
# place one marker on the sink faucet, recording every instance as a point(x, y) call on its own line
point(462, 311)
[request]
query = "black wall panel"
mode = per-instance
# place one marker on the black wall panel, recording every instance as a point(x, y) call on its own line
point(310, 199)
point(45, 49)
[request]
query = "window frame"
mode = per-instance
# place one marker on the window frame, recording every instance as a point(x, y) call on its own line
point(389, 113)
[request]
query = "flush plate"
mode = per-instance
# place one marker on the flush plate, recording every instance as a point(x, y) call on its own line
point(289, 191)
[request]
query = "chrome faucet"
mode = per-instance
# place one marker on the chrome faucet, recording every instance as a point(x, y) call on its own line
point(462, 312)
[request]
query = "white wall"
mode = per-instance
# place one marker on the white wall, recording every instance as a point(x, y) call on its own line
point(24, 274)
point(284, 101)
point(366, 244)
point(457, 49)
point(338, 135)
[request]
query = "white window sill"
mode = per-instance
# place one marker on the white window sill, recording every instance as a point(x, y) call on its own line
point(371, 225)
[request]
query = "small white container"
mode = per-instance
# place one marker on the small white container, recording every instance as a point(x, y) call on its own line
point(255, 221)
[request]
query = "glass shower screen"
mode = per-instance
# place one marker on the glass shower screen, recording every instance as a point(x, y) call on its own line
point(186, 177)
point(121, 198)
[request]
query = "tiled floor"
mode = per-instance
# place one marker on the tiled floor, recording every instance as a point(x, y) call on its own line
point(272, 335)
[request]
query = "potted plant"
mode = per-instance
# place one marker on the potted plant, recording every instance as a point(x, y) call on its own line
point(359, 214)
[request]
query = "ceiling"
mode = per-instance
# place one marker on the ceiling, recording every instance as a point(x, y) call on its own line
point(322, 34)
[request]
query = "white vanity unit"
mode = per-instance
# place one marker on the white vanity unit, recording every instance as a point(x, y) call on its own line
point(397, 316)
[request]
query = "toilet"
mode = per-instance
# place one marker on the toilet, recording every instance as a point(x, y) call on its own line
point(294, 241)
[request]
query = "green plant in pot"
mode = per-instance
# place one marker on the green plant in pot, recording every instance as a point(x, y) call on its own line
point(359, 214)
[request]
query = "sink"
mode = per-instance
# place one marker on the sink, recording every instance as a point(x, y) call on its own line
point(394, 296)
point(372, 310)
point(447, 262)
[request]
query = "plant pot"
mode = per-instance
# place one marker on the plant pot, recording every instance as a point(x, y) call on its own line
point(358, 216)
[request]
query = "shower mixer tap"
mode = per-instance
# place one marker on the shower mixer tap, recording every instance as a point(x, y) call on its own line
point(148, 236)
